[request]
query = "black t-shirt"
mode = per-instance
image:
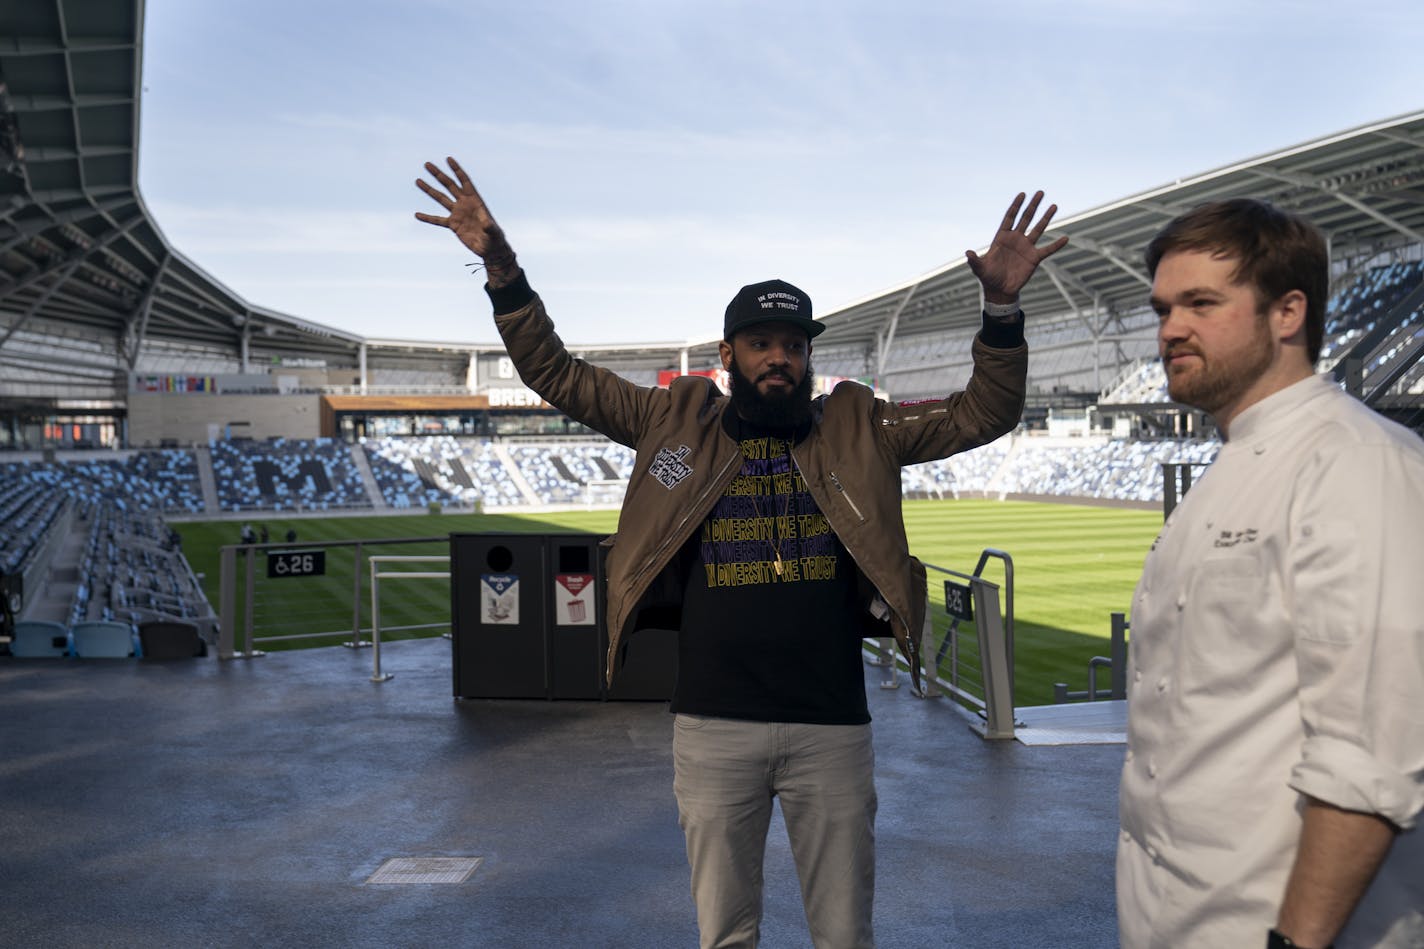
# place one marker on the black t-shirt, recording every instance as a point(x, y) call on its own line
point(770, 620)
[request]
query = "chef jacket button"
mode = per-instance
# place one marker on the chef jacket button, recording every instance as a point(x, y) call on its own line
point(1181, 600)
point(1151, 770)
point(1162, 684)
point(1137, 676)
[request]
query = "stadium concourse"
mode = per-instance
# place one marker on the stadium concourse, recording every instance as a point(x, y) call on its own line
point(234, 804)
point(227, 803)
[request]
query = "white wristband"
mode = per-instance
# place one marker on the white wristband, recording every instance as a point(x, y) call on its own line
point(999, 311)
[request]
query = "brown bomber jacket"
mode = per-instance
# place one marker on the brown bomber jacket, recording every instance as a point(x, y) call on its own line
point(850, 460)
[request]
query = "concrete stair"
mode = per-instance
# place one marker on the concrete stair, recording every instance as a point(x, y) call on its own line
point(511, 468)
point(208, 482)
point(368, 479)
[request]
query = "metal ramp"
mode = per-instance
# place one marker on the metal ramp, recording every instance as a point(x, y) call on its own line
point(1077, 723)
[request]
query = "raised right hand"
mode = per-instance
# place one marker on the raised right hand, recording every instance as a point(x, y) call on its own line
point(469, 218)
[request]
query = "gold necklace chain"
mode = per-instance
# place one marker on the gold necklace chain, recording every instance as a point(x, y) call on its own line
point(778, 564)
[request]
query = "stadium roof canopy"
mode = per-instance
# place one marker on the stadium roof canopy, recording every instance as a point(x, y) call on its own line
point(88, 281)
point(78, 248)
point(1363, 187)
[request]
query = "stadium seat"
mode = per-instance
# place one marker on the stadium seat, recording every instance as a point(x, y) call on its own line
point(163, 639)
point(103, 640)
point(39, 639)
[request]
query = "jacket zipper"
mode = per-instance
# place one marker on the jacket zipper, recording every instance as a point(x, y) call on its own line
point(839, 487)
point(675, 532)
point(910, 647)
point(688, 516)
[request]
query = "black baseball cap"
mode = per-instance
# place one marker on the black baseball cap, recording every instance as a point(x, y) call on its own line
point(771, 301)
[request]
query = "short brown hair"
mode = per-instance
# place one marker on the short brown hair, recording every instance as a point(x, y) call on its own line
point(1276, 252)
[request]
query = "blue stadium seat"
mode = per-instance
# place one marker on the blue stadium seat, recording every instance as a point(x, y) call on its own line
point(101, 640)
point(40, 639)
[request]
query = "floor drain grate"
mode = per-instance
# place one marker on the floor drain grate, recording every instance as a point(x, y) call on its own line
point(426, 870)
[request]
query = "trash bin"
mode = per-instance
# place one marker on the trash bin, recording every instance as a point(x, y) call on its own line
point(576, 617)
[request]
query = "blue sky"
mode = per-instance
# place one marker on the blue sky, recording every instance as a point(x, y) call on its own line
point(648, 158)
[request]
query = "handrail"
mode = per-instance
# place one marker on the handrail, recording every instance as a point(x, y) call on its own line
point(1364, 347)
point(1399, 367)
point(1116, 664)
point(1008, 604)
point(1008, 607)
point(1176, 482)
point(997, 706)
point(376, 577)
point(236, 606)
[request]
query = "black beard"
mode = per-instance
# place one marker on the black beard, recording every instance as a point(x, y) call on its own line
point(777, 410)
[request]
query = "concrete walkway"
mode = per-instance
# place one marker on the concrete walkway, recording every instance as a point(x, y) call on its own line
point(248, 802)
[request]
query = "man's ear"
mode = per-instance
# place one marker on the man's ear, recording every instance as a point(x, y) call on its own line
point(1288, 316)
point(724, 349)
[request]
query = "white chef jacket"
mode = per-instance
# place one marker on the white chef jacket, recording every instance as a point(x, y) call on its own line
point(1277, 651)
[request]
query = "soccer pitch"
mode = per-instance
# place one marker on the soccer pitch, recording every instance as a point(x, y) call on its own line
point(1074, 565)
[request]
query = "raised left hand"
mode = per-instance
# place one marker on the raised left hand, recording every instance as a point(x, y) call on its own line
point(1014, 254)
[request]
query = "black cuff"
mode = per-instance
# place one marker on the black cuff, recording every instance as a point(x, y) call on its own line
point(516, 295)
point(1003, 334)
point(1276, 940)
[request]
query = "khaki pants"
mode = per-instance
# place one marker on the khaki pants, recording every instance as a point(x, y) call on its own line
point(726, 773)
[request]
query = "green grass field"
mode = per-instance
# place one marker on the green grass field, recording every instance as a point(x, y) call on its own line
point(310, 606)
point(1073, 567)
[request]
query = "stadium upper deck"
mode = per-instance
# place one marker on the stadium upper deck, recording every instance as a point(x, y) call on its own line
point(92, 293)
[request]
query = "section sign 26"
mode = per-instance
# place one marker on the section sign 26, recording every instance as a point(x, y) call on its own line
point(296, 563)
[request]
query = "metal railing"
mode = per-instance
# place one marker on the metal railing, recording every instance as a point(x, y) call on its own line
point(995, 645)
point(1350, 367)
point(1116, 664)
point(1176, 482)
point(241, 591)
point(951, 642)
point(376, 577)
